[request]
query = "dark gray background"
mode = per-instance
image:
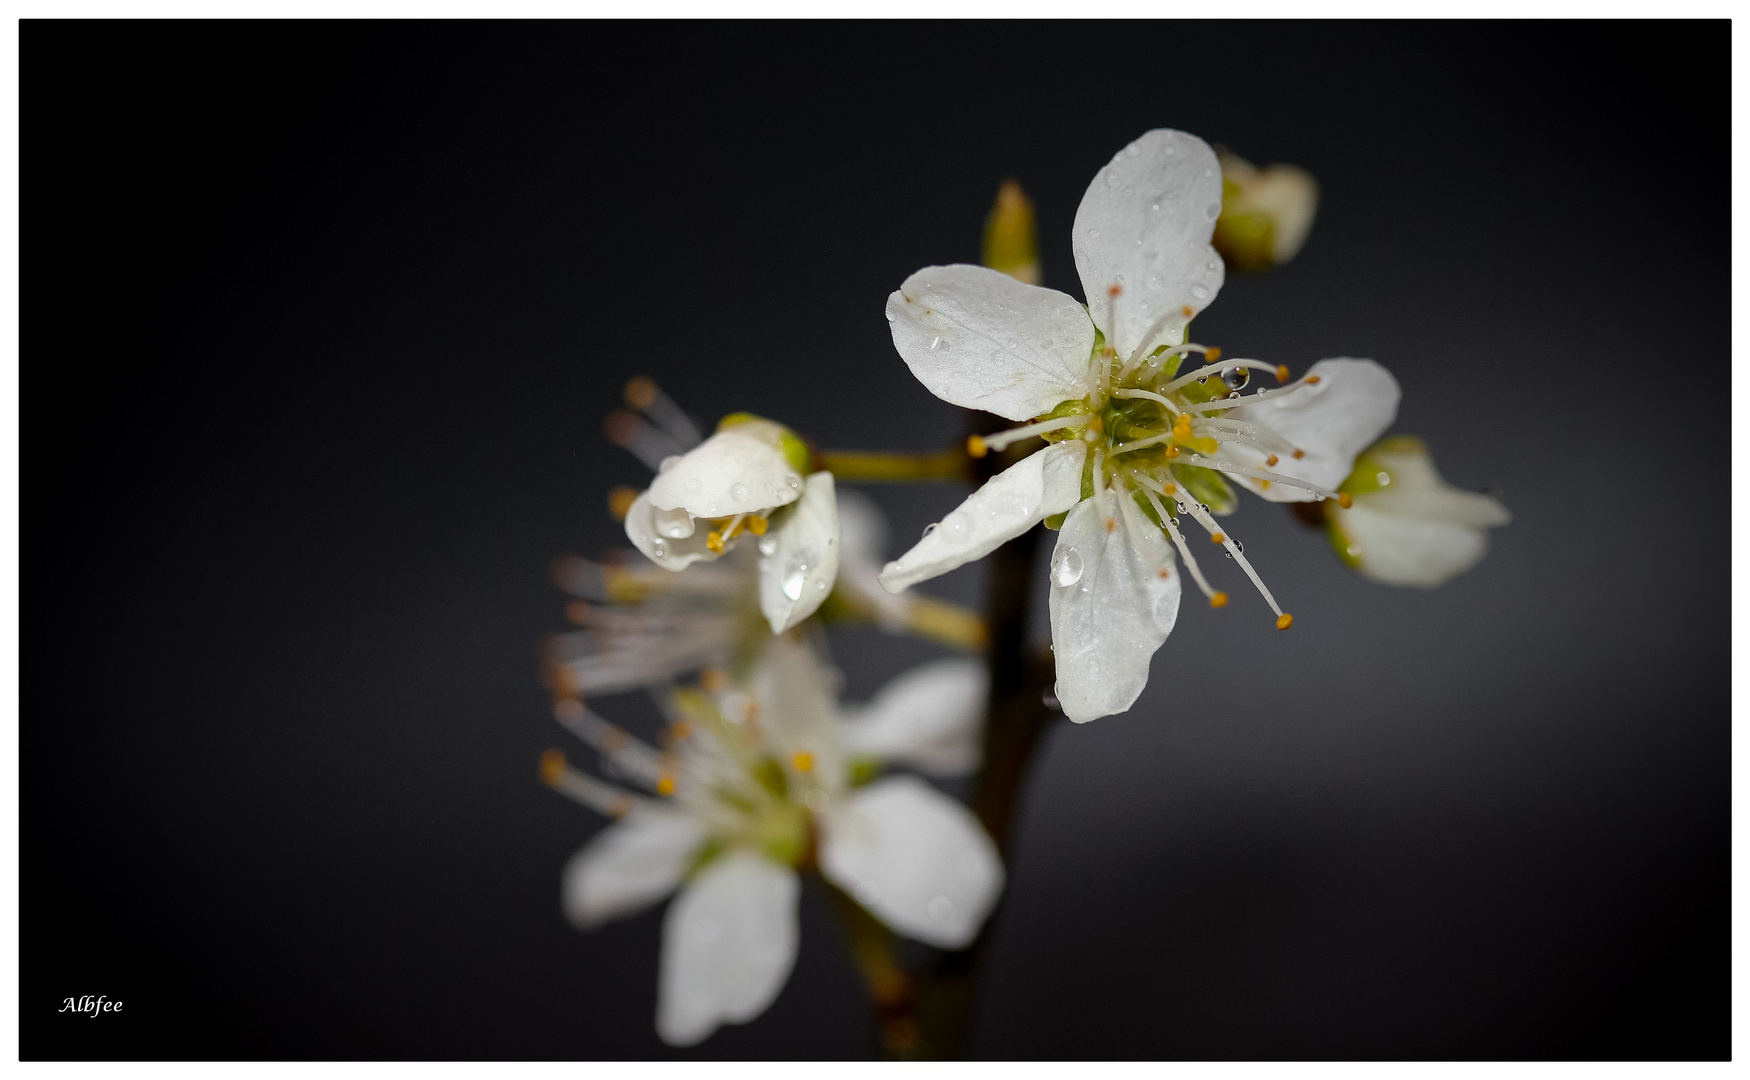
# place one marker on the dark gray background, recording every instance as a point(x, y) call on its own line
point(320, 324)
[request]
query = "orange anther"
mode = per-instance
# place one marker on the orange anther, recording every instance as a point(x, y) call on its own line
point(1212, 355)
point(1111, 524)
point(641, 393)
point(1216, 538)
point(1344, 500)
point(1281, 372)
point(1187, 311)
point(578, 612)
point(1172, 451)
point(1271, 460)
point(1114, 291)
point(1298, 454)
point(1284, 621)
point(1312, 380)
point(1219, 600)
point(620, 807)
point(713, 680)
point(552, 766)
point(975, 446)
point(1165, 573)
point(681, 728)
point(665, 785)
point(803, 760)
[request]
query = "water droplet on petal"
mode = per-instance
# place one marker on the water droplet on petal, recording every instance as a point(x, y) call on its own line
point(1213, 210)
point(1236, 378)
point(1066, 566)
point(738, 493)
point(1093, 234)
point(660, 548)
point(890, 316)
point(694, 486)
point(768, 545)
point(1199, 292)
point(932, 527)
point(793, 481)
point(795, 573)
point(1112, 178)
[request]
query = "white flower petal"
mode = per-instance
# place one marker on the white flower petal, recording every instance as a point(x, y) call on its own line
point(915, 858)
point(669, 552)
point(930, 717)
point(1353, 402)
point(732, 472)
point(1408, 551)
point(983, 340)
point(1011, 502)
point(1144, 225)
point(629, 865)
point(728, 944)
point(799, 555)
point(1110, 606)
point(1416, 529)
point(797, 693)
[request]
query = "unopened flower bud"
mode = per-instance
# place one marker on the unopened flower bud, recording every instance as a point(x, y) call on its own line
point(1265, 213)
point(1011, 242)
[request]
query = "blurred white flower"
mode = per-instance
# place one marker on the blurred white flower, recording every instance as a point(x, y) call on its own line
point(1128, 436)
point(1407, 526)
point(746, 480)
point(1265, 213)
point(757, 785)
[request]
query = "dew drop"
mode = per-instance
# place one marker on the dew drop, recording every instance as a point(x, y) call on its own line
point(1066, 566)
point(660, 548)
point(794, 481)
point(694, 486)
point(936, 342)
point(1199, 292)
point(1093, 234)
point(932, 527)
point(1156, 206)
point(1213, 210)
point(795, 573)
point(890, 316)
point(1112, 178)
point(738, 493)
point(1236, 378)
point(768, 545)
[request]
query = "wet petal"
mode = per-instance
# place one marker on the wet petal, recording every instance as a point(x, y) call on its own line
point(629, 865)
point(1011, 502)
point(728, 944)
point(1144, 226)
point(1352, 404)
point(915, 858)
point(931, 717)
point(1111, 606)
point(643, 528)
point(1409, 526)
point(732, 472)
point(799, 555)
point(983, 340)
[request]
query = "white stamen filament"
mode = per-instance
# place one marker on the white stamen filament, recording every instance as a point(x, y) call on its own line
point(637, 759)
point(1261, 437)
point(1004, 438)
point(671, 418)
point(1213, 371)
point(1260, 474)
point(1192, 507)
point(602, 797)
point(1262, 395)
point(1147, 396)
point(649, 444)
point(1137, 359)
point(1173, 531)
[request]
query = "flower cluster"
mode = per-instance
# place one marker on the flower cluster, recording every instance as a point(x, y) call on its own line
point(1130, 440)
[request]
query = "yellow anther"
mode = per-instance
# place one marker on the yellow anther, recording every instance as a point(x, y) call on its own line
point(1219, 600)
point(1298, 454)
point(620, 501)
point(1170, 489)
point(1263, 485)
point(1172, 451)
point(1212, 355)
point(713, 680)
point(1271, 460)
point(1096, 425)
point(1284, 621)
point(1187, 311)
point(756, 524)
point(1344, 500)
point(1216, 538)
point(681, 728)
point(665, 785)
point(1312, 380)
point(714, 541)
point(552, 766)
point(975, 446)
point(641, 393)
point(1281, 372)
point(1111, 524)
point(803, 761)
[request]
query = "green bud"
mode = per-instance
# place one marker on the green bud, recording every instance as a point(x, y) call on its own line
point(1011, 240)
point(1265, 213)
point(787, 442)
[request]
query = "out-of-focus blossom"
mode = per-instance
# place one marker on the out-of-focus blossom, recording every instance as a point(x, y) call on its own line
point(1011, 242)
point(1265, 213)
point(758, 785)
point(930, 718)
point(1133, 445)
point(1407, 526)
point(747, 480)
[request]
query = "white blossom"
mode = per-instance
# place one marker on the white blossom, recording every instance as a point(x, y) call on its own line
point(759, 783)
point(1406, 525)
point(1135, 446)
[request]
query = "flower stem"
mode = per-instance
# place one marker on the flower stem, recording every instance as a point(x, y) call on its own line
point(870, 466)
